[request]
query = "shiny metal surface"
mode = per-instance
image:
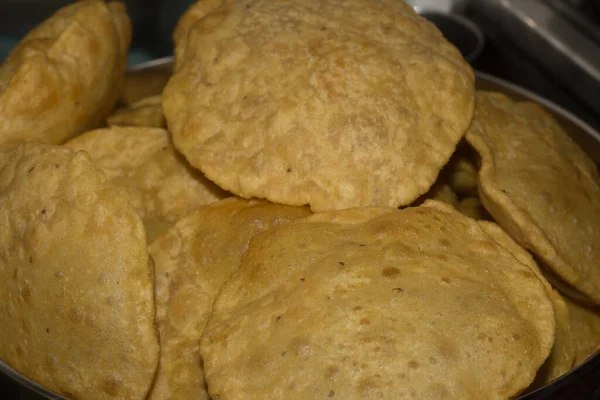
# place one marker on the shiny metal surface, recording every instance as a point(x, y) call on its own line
point(582, 133)
point(458, 30)
point(28, 383)
point(568, 54)
point(446, 6)
point(585, 14)
point(164, 63)
point(436, 5)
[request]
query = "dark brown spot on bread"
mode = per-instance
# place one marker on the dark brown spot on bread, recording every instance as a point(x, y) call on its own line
point(111, 386)
point(444, 243)
point(332, 372)
point(390, 272)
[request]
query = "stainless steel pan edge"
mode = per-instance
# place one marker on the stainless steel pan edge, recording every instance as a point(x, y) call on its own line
point(581, 132)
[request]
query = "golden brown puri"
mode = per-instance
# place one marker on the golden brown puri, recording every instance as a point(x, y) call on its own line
point(66, 75)
point(586, 329)
point(76, 298)
point(540, 187)
point(123, 27)
point(471, 207)
point(162, 186)
point(192, 260)
point(191, 16)
point(462, 173)
point(440, 191)
point(372, 303)
point(143, 83)
point(562, 356)
point(456, 184)
point(315, 102)
point(145, 112)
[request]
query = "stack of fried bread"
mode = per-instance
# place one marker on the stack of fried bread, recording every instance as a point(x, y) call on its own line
point(316, 203)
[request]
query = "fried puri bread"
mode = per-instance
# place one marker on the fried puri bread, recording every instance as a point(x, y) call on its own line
point(586, 329)
point(389, 304)
point(562, 356)
point(472, 207)
point(456, 184)
point(190, 17)
point(145, 112)
point(463, 176)
point(65, 76)
point(540, 187)
point(76, 302)
point(192, 260)
point(162, 186)
point(330, 104)
point(440, 191)
point(143, 83)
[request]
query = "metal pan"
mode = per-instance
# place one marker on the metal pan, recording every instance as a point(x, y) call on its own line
point(581, 382)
